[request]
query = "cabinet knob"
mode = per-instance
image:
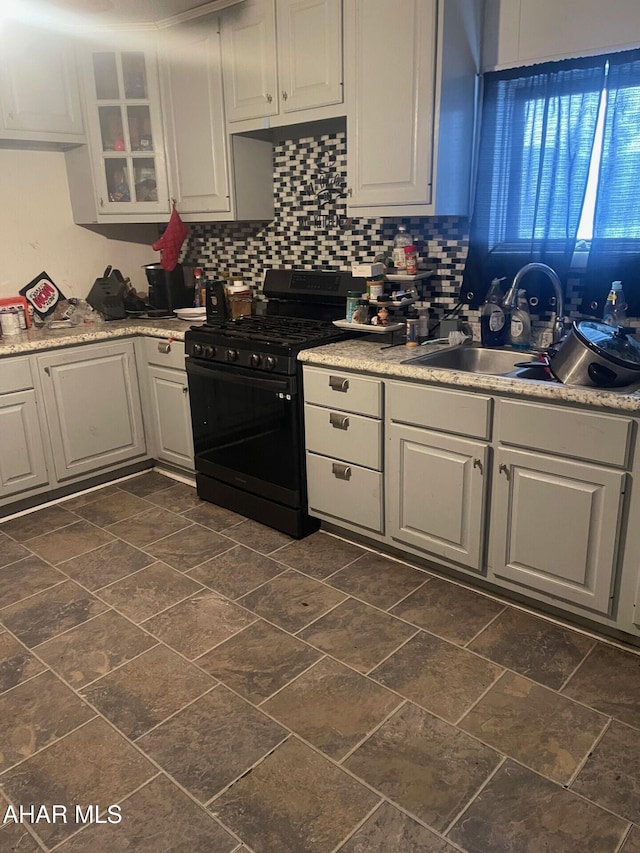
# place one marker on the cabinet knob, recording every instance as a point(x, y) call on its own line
point(185, 390)
point(269, 98)
point(101, 202)
point(477, 463)
point(338, 421)
point(340, 471)
point(164, 347)
point(339, 383)
point(504, 469)
point(284, 96)
point(47, 370)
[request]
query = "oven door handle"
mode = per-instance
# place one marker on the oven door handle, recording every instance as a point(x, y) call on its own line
point(279, 386)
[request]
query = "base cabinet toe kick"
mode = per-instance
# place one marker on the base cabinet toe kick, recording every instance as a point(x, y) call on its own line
point(528, 498)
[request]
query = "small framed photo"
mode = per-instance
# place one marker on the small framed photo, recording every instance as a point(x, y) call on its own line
point(22, 307)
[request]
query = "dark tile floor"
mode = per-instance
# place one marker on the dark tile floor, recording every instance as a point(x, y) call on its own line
point(233, 690)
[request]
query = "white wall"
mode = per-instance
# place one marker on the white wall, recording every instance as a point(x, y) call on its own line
point(37, 231)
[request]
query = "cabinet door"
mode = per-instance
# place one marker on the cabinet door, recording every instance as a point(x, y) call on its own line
point(436, 492)
point(22, 460)
point(93, 408)
point(391, 54)
point(554, 527)
point(195, 130)
point(171, 416)
point(309, 53)
point(125, 129)
point(38, 85)
point(249, 60)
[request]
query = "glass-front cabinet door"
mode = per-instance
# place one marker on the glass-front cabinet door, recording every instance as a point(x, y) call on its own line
point(125, 126)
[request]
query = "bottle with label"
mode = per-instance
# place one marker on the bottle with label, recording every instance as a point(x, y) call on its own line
point(615, 308)
point(401, 240)
point(493, 319)
point(198, 283)
point(521, 323)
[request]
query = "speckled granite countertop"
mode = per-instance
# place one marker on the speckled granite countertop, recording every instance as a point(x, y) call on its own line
point(36, 340)
point(372, 357)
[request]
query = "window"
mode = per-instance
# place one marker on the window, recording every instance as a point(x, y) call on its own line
point(558, 169)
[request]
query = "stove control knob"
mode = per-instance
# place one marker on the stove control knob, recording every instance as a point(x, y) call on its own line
point(197, 349)
point(209, 352)
point(232, 355)
point(269, 362)
point(255, 360)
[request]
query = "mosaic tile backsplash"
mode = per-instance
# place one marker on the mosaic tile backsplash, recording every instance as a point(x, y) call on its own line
point(311, 230)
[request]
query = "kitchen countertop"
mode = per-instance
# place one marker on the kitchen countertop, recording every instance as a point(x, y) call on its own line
point(372, 357)
point(360, 355)
point(35, 340)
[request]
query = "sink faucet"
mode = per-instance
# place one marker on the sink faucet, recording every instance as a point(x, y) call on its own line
point(511, 297)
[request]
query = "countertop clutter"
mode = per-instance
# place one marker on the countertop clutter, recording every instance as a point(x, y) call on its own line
point(37, 340)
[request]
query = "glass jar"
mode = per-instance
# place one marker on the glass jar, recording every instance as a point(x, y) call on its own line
point(353, 297)
point(361, 314)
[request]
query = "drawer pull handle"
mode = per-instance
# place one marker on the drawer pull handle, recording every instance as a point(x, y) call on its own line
point(164, 347)
point(339, 383)
point(338, 421)
point(340, 471)
point(477, 463)
point(504, 469)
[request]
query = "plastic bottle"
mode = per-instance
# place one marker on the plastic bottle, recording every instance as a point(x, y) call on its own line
point(493, 319)
point(401, 240)
point(520, 327)
point(615, 308)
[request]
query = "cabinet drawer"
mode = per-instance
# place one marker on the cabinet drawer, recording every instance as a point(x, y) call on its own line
point(154, 352)
point(565, 432)
point(344, 492)
point(15, 375)
point(447, 411)
point(343, 435)
point(344, 391)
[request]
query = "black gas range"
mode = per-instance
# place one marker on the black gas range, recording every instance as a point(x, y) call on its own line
point(245, 390)
point(265, 344)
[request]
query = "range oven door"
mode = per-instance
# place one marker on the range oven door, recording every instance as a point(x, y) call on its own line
point(247, 430)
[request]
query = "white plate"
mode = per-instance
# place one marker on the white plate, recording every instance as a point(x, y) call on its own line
point(190, 313)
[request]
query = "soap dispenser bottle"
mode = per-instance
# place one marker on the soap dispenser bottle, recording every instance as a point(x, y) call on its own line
point(493, 318)
point(520, 327)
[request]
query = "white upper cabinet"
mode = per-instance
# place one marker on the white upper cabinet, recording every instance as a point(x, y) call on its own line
point(309, 53)
point(522, 32)
point(211, 178)
point(282, 61)
point(39, 93)
point(194, 117)
point(121, 175)
point(411, 103)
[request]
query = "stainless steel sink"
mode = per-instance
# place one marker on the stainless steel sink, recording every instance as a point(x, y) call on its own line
point(478, 359)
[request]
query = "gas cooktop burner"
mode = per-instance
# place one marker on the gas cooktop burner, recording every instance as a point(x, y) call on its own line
point(284, 331)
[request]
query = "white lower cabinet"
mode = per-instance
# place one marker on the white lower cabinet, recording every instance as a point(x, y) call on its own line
point(92, 406)
point(22, 458)
point(555, 527)
point(534, 496)
point(435, 471)
point(437, 493)
point(343, 439)
point(165, 396)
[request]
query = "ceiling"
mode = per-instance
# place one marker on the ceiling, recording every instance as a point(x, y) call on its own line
point(113, 13)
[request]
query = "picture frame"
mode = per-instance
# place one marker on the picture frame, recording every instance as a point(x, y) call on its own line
point(18, 302)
